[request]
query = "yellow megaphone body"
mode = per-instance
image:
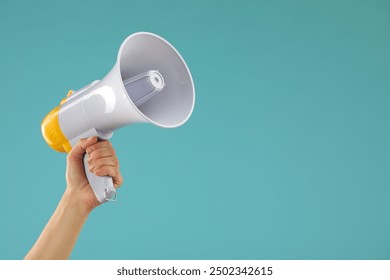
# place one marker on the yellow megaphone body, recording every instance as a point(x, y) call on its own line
point(149, 83)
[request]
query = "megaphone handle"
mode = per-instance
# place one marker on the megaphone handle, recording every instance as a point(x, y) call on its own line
point(102, 186)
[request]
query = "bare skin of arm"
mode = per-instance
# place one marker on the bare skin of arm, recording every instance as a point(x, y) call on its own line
point(61, 232)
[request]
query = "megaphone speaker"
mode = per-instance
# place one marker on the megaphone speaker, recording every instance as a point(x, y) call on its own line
point(149, 83)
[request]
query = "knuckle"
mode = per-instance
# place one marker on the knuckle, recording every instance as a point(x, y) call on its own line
point(95, 153)
point(98, 164)
point(103, 144)
point(90, 149)
point(100, 171)
point(82, 142)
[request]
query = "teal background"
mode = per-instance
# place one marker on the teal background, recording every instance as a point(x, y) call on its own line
point(286, 155)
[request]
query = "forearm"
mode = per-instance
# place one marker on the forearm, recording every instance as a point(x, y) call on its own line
point(61, 232)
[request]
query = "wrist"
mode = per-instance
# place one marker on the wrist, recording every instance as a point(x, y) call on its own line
point(74, 201)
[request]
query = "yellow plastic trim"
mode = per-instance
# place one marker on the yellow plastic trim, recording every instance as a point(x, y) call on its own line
point(69, 94)
point(52, 133)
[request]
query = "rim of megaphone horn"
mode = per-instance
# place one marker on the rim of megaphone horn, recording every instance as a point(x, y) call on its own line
point(182, 60)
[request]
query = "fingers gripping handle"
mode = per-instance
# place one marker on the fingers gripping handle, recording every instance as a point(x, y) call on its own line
point(102, 186)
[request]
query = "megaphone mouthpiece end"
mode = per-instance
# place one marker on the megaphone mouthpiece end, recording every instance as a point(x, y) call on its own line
point(157, 80)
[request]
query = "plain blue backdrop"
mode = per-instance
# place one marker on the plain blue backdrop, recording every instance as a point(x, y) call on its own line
point(286, 155)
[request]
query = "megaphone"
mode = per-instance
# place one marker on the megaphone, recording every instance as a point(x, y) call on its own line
point(149, 83)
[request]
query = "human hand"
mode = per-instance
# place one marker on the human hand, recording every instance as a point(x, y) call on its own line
point(102, 161)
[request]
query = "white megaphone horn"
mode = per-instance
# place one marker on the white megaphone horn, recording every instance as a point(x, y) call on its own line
point(149, 83)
